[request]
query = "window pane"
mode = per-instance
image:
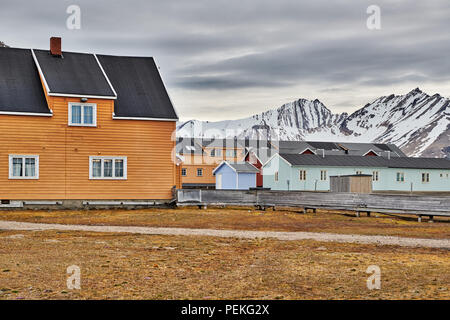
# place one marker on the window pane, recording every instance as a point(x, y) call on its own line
point(88, 115)
point(30, 167)
point(76, 114)
point(17, 167)
point(97, 168)
point(118, 168)
point(107, 168)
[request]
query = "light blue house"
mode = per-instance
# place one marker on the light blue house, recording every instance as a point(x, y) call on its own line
point(236, 176)
point(311, 172)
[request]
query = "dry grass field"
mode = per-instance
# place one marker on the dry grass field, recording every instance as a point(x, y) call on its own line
point(125, 266)
point(245, 219)
point(128, 266)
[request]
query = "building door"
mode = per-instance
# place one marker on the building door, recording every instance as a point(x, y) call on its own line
point(219, 181)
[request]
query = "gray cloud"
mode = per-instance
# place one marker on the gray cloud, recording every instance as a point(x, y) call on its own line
point(249, 55)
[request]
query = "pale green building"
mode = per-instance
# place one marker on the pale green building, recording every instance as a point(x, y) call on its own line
point(311, 172)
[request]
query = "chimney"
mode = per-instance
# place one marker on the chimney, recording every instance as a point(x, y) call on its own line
point(55, 46)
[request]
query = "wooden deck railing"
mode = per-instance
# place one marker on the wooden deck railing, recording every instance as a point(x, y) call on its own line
point(384, 203)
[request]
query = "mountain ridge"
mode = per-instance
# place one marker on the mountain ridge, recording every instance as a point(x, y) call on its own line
point(416, 122)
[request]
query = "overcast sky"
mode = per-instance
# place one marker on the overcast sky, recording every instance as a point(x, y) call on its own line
point(228, 59)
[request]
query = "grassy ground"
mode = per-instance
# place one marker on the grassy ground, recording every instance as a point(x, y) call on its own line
point(244, 219)
point(124, 266)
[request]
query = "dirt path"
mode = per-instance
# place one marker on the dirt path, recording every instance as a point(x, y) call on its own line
point(317, 236)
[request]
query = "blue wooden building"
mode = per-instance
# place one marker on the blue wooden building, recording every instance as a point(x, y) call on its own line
point(312, 172)
point(235, 176)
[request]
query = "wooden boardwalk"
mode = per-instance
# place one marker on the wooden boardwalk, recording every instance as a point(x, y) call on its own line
point(418, 205)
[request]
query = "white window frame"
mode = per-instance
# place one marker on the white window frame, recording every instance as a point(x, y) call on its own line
point(200, 175)
point(23, 157)
point(400, 174)
point(185, 172)
point(302, 175)
point(94, 115)
point(375, 176)
point(323, 175)
point(427, 177)
point(276, 176)
point(103, 158)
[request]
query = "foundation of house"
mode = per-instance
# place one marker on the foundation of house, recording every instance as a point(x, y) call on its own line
point(82, 204)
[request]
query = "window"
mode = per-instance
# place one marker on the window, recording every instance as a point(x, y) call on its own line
point(425, 177)
point(302, 175)
point(231, 153)
point(23, 167)
point(359, 172)
point(400, 176)
point(323, 175)
point(375, 176)
point(216, 152)
point(199, 172)
point(276, 176)
point(184, 172)
point(82, 114)
point(108, 168)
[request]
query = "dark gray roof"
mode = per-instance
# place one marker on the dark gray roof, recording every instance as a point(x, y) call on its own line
point(243, 167)
point(73, 73)
point(218, 143)
point(368, 161)
point(263, 153)
point(187, 146)
point(20, 87)
point(337, 148)
point(139, 87)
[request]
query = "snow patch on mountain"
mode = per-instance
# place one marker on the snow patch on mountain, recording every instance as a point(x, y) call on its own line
point(416, 122)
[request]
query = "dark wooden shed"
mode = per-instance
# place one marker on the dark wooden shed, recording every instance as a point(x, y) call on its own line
point(357, 183)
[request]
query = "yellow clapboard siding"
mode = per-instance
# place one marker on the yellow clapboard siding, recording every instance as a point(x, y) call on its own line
point(64, 155)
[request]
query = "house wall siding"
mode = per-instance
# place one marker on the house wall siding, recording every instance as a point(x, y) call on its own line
point(191, 173)
point(64, 155)
point(228, 177)
point(386, 177)
point(246, 181)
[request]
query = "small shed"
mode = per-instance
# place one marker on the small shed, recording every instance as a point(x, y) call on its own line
point(235, 176)
point(357, 183)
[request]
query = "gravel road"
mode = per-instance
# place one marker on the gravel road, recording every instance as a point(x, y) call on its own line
point(245, 234)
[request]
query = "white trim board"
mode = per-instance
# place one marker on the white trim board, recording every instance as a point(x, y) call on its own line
point(36, 62)
point(144, 119)
point(12, 113)
point(165, 88)
point(70, 95)
point(370, 150)
point(105, 75)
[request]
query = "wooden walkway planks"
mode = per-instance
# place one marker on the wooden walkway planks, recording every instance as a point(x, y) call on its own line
point(405, 204)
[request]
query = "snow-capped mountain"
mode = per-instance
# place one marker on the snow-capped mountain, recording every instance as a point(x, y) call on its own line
point(416, 122)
